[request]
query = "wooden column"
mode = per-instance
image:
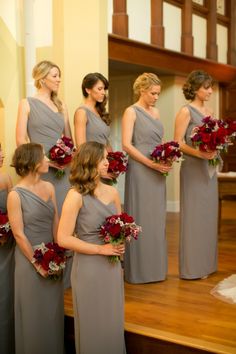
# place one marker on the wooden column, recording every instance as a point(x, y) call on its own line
point(157, 29)
point(211, 30)
point(120, 18)
point(232, 34)
point(187, 37)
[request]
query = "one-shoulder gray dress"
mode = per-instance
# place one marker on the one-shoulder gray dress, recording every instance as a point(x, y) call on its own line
point(45, 127)
point(96, 129)
point(145, 199)
point(39, 312)
point(6, 288)
point(198, 212)
point(97, 288)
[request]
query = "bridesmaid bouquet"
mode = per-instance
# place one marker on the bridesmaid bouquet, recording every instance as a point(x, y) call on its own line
point(61, 153)
point(5, 228)
point(167, 153)
point(214, 134)
point(117, 164)
point(51, 257)
point(118, 229)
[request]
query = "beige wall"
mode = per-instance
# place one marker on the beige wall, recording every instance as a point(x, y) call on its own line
point(11, 74)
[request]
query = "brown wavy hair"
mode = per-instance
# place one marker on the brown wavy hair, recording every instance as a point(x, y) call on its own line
point(89, 81)
point(144, 82)
point(194, 81)
point(84, 174)
point(26, 158)
point(40, 71)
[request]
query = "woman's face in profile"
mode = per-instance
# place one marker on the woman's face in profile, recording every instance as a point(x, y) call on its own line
point(103, 165)
point(43, 165)
point(204, 92)
point(52, 80)
point(151, 95)
point(97, 92)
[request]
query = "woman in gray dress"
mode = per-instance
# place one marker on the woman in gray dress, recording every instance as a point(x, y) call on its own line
point(198, 185)
point(43, 119)
point(32, 211)
point(91, 121)
point(145, 260)
point(97, 284)
point(6, 273)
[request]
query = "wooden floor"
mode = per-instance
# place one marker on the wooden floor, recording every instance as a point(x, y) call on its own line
point(180, 311)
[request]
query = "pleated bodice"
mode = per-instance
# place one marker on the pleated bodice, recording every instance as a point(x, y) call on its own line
point(44, 125)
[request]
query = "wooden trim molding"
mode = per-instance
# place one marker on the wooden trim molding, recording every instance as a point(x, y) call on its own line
point(187, 36)
point(157, 28)
point(212, 50)
point(125, 50)
point(120, 24)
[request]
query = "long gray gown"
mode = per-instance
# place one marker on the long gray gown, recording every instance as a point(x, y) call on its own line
point(198, 212)
point(145, 199)
point(97, 288)
point(39, 311)
point(46, 127)
point(96, 129)
point(6, 289)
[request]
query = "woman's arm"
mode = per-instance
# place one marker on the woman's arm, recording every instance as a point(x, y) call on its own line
point(22, 120)
point(117, 200)
point(65, 238)
point(128, 122)
point(181, 125)
point(80, 122)
point(17, 226)
point(56, 218)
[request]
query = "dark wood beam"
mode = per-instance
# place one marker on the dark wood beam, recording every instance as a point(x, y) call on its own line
point(187, 36)
point(232, 33)
point(120, 18)
point(129, 51)
point(157, 29)
point(212, 51)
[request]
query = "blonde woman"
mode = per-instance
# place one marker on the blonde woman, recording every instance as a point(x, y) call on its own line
point(145, 185)
point(43, 119)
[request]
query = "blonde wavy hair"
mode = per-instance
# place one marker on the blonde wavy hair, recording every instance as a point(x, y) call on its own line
point(144, 82)
point(40, 71)
point(84, 174)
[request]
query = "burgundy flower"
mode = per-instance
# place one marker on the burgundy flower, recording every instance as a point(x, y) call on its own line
point(118, 229)
point(117, 163)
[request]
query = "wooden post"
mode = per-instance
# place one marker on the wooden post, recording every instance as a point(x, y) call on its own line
point(187, 37)
point(157, 29)
point(120, 18)
point(232, 34)
point(211, 30)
